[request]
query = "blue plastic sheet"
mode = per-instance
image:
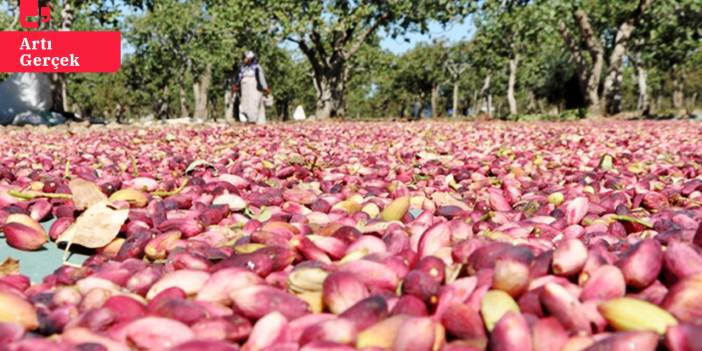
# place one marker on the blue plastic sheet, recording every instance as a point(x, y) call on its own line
point(38, 264)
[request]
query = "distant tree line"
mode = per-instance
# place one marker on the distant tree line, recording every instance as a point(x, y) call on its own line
point(527, 57)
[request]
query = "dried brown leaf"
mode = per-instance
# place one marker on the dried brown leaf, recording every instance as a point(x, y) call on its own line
point(447, 199)
point(9, 266)
point(96, 227)
point(85, 193)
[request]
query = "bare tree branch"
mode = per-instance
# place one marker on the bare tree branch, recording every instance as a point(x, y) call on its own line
point(311, 55)
point(573, 46)
point(15, 17)
point(15, 20)
point(591, 39)
point(365, 35)
point(319, 46)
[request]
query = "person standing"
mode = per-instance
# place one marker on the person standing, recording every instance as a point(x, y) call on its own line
point(251, 82)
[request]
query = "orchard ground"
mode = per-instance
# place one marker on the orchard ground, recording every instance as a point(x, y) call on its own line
point(349, 235)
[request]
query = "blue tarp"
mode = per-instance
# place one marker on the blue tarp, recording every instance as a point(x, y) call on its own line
point(38, 264)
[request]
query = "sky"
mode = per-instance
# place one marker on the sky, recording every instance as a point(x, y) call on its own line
point(452, 32)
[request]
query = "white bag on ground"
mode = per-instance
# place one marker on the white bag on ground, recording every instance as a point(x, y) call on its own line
point(299, 114)
point(24, 92)
point(268, 101)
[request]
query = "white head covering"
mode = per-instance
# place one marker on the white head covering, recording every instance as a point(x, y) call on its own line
point(249, 55)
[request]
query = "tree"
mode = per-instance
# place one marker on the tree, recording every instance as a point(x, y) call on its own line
point(235, 26)
point(693, 81)
point(161, 38)
point(9, 16)
point(488, 59)
point(290, 80)
point(637, 59)
point(369, 70)
point(331, 32)
point(616, 57)
point(457, 63)
point(196, 43)
point(71, 15)
point(106, 95)
point(420, 76)
point(553, 77)
point(670, 37)
point(514, 29)
point(391, 95)
point(603, 33)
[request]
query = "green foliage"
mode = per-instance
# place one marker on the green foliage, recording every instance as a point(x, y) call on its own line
point(512, 27)
point(672, 32)
point(420, 68)
point(347, 18)
point(290, 79)
point(99, 94)
point(305, 46)
point(367, 92)
point(331, 33)
point(7, 14)
point(175, 42)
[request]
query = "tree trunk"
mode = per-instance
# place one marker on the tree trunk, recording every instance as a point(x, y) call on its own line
point(513, 62)
point(201, 89)
point(592, 96)
point(119, 113)
point(615, 101)
point(229, 100)
point(476, 103)
point(455, 69)
point(419, 106)
point(614, 70)
point(162, 105)
point(531, 101)
point(435, 100)
point(588, 72)
point(58, 88)
point(658, 102)
point(284, 112)
point(642, 104)
point(64, 91)
point(489, 104)
point(323, 100)
point(339, 96)
point(331, 89)
point(67, 17)
point(211, 110)
point(578, 56)
point(454, 111)
point(692, 101)
point(59, 91)
point(183, 100)
point(678, 85)
point(229, 106)
point(485, 92)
